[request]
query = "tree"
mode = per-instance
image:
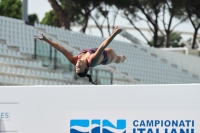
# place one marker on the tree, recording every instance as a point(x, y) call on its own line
point(103, 10)
point(150, 10)
point(50, 18)
point(117, 6)
point(174, 9)
point(11, 8)
point(153, 13)
point(173, 41)
point(99, 13)
point(68, 11)
point(62, 11)
point(109, 10)
point(33, 18)
point(85, 8)
point(193, 11)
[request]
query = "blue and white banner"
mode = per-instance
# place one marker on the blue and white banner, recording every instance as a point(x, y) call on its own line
point(103, 109)
point(132, 122)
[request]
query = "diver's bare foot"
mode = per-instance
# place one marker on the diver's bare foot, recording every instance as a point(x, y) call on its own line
point(123, 58)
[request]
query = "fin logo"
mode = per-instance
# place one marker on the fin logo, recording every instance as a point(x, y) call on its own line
point(97, 126)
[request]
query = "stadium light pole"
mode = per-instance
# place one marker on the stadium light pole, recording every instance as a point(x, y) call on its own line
point(25, 10)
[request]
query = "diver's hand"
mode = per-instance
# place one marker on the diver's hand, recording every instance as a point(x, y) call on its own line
point(117, 30)
point(41, 38)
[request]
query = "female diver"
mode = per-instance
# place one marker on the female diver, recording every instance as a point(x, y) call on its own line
point(90, 57)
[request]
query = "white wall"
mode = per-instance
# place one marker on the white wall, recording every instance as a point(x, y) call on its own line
point(46, 109)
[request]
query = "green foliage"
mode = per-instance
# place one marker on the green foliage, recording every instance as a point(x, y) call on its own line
point(50, 19)
point(193, 7)
point(120, 4)
point(81, 9)
point(11, 8)
point(174, 40)
point(178, 8)
point(33, 18)
point(193, 11)
point(76, 17)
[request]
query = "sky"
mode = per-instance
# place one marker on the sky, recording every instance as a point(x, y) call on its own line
point(40, 7)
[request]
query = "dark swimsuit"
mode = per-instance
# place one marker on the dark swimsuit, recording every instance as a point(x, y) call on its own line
point(93, 50)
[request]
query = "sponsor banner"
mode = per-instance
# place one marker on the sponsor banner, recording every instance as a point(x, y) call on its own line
point(132, 122)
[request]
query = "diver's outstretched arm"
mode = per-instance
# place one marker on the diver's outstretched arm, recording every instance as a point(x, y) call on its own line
point(65, 52)
point(95, 57)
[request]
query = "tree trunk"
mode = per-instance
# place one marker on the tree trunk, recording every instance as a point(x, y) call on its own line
point(86, 23)
point(62, 16)
point(98, 26)
point(155, 38)
point(68, 12)
point(167, 39)
point(194, 38)
point(108, 24)
point(114, 20)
